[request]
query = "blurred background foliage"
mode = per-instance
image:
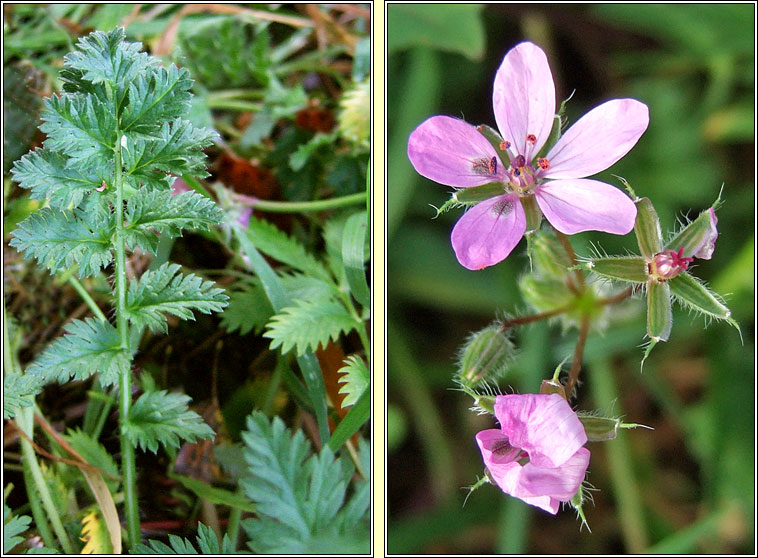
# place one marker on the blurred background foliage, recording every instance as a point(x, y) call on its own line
point(685, 487)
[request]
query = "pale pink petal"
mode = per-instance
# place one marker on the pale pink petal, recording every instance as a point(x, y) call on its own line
point(559, 482)
point(578, 205)
point(524, 98)
point(543, 425)
point(599, 139)
point(489, 231)
point(705, 250)
point(447, 150)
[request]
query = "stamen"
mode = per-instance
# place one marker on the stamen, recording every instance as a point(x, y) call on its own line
point(504, 145)
point(493, 165)
point(543, 163)
point(531, 138)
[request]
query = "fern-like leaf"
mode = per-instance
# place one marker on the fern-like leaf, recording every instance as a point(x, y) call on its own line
point(88, 347)
point(356, 377)
point(297, 497)
point(273, 242)
point(176, 149)
point(45, 173)
point(249, 309)
point(61, 239)
point(167, 291)
point(18, 392)
point(161, 417)
point(206, 541)
point(162, 94)
point(309, 324)
point(150, 211)
point(12, 527)
point(79, 126)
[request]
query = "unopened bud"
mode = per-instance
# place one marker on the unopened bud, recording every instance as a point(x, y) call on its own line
point(486, 355)
point(548, 256)
point(601, 429)
point(697, 239)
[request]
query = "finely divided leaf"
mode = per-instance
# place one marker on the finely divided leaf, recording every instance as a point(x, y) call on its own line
point(162, 94)
point(309, 324)
point(249, 309)
point(166, 291)
point(107, 57)
point(88, 347)
point(13, 527)
point(356, 377)
point(45, 173)
point(297, 497)
point(273, 242)
point(79, 126)
point(60, 239)
point(18, 392)
point(177, 148)
point(158, 210)
point(163, 418)
point(206, 541)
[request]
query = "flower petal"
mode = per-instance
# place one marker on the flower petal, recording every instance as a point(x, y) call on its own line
point(599, 139)
point(559, 482)
point(445, 150)
point(488, 232)
point(581, 204)
point(704, 251)
point(543, 425)
point(523, 98)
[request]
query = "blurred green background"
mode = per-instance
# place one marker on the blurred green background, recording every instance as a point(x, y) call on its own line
point(685, 487)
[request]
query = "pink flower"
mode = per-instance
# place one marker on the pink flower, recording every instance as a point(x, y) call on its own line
point(537, 453)
point(454, 153)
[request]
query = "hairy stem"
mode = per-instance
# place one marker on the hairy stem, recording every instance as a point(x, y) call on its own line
point(523, 320)
point(128, 463)
point(301, 207)
point(576, 364)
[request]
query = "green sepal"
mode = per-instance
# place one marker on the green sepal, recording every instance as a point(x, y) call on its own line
point(555, 134)
point(495, 140)
point(601, 429)
point(632, 269)
point(693, 235)
point(532, 212)
point(547, 255)
point(659, 316)
point(545, 293)
point(647, 227)
point(693, 294)
point(475, 194)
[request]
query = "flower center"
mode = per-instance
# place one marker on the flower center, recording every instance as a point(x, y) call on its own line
point(521, 176)
point(668, 264)
point(504, 449)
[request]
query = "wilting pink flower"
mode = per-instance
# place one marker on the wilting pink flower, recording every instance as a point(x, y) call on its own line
point(668, 264)
point(454, 153)
point(537, 455)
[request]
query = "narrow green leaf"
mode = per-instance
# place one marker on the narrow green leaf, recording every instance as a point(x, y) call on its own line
point(353, 257)
point(647, 227)
point(691, 293)
point(309, 366)
point(631, 269)
point(215, 495)
point(163, 418)
point(659, 316)
point(88, 347)
point(353, 421)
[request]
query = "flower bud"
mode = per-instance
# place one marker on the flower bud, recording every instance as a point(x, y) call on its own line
point(548, 256)
point(545, 293)
point(485, 355)
point(601, 429)
point(355, 115)
point(697, 239)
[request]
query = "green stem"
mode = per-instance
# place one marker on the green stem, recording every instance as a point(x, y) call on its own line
point(25, 420)
point(625, 491)
point(40, 521)
point(234, 104)
point(233, 524)
point(576, 364)
point(303, 206)
point(91, 304)
point(128, 463)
